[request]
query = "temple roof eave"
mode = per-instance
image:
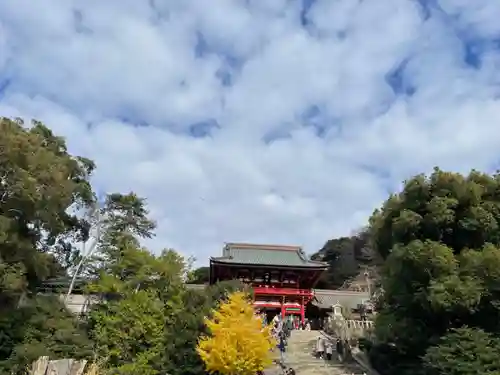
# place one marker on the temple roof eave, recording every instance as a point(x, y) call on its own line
point(309, 265)
point(325, 298)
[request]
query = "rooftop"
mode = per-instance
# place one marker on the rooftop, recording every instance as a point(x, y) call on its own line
point(269, 255)
point(325, 298)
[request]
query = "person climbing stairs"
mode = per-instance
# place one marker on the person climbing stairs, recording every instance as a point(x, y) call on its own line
point(300, 356)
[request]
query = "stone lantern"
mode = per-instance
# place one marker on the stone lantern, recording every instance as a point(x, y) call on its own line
point(337, 311)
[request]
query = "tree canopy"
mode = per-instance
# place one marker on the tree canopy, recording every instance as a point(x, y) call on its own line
point(441, 298)
point(347, 257)
point(41, 188)
point(199, 275)
point(42, 326)
point(144, 320)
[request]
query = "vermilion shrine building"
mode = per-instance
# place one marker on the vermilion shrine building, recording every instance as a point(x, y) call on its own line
point(281, 277)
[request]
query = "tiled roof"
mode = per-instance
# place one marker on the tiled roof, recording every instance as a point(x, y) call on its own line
point(325, 299)
point(290, 256)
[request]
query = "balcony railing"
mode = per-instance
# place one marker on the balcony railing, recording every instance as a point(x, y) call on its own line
point(282, 291)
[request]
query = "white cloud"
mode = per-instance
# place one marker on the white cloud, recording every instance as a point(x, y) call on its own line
point(310, 136)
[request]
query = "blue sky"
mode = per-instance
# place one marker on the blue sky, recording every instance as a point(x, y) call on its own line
point(261, 121)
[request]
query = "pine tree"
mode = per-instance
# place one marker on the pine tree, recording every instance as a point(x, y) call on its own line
point(237, 343)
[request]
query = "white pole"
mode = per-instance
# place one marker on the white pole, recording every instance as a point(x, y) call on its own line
point(85, 255)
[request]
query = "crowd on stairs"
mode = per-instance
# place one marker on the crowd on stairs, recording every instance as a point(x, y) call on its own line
point(302, 352)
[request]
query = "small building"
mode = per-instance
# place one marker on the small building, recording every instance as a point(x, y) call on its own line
point(325, 299)
point(282, 278)
point(78, 302)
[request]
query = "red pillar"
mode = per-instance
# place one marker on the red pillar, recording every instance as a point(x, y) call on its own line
point(302, 312)
point(283, 308)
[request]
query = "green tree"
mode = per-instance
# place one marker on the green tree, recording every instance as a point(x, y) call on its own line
point(41, 186)
point(182, 332)
point(150, 322)
point(128, 332)
point(220, 291)
point(440, 239)
point(127, 326)
point(199, 275)
point(41, 327)
point(347, 257)
point(464, 351)
point(142, 292)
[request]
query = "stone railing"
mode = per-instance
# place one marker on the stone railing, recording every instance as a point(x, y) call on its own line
point(348, 332)
point(361, 324)
point(347, 329)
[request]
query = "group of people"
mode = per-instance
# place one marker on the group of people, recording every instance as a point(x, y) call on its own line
point(324, 348)
point(290, 323)
point(282, 330)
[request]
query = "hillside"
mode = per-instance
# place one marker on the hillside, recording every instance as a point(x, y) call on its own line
point(349, 258)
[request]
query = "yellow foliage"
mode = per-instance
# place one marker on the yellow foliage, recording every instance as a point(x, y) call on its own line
point(93, 369)
point(238, 343)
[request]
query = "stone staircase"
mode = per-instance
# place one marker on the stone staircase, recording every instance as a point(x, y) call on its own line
point(300, 356)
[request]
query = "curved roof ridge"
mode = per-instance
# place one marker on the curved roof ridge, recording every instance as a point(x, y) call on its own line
point(256, 246)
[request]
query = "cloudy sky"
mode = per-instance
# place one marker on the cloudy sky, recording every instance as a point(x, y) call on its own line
point(274, 121)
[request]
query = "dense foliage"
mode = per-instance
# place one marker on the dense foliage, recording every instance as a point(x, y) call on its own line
point(237, 342)
point(347, 258)
point(42, 326)
point(145, 320)
point(40, 186)
point(440, 310)
point(199, 275)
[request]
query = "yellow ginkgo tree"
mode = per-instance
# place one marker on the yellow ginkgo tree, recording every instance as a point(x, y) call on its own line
point(237, 342)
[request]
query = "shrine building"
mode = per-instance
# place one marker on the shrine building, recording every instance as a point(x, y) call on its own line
point(282, 278)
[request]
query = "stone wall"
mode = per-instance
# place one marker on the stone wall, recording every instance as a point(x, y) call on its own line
point(78, 304)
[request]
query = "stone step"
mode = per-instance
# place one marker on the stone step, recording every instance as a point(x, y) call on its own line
point(300, 356)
